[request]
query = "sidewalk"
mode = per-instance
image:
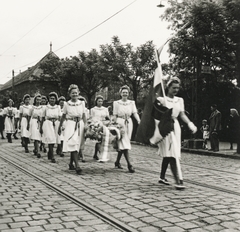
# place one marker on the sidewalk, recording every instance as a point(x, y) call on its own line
point(224, 151)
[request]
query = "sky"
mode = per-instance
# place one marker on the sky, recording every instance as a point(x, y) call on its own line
point(28, 26)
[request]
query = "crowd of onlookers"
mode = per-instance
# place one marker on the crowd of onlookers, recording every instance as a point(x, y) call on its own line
point(211, 129)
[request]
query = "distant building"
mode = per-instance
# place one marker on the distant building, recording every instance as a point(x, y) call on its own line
point(31, 81)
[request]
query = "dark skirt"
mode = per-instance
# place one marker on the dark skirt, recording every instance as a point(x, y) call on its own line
point(1, 123)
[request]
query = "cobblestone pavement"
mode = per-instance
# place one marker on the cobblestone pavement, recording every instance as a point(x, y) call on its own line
point(135, 199)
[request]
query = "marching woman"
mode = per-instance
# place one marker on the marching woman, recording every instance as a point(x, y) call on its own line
point(1, 121)
point(44, 102)
point(9, 123)
point(99, 113)
point(24, 120)
point(170, 146)
point(61, 101)
point(74, 114)
point(49, 124)
point(36, 115)
point(122, 110)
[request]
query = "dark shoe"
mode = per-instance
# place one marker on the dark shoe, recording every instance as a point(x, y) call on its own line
point(62, 155)
point(40, 148)
point(26, 150)
point(78, 171)
point(71, 167)
point(15, 137)
point(163, 181)
point(38, 155)
point(84, 161)
point(216, 150)
point(3, 138)
point(53, 160)
point(95, 157)
point(131, 169)
point(179, 186)
point(118, 165)
point(44, 150)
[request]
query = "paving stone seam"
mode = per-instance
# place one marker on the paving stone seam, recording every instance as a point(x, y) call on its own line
point(93, 210)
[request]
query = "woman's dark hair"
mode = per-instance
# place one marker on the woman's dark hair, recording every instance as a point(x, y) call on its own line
point(34, 100)
point(97, 98)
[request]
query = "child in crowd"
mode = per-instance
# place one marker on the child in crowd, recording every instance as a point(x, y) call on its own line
point(205, 130)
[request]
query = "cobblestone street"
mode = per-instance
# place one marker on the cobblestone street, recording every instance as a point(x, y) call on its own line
point(210, 202)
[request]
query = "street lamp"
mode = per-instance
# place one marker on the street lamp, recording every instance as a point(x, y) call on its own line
point(160, 5)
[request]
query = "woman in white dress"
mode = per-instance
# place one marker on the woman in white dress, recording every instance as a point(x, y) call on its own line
point(74, 114)
point(1, 121)
point(49, 125)
point(44, 102)
point(24, 119)
point(61, 101)
point(99, 113)
point(9, 122)
point(36, 115)
point(170, 146)
point(122, 110)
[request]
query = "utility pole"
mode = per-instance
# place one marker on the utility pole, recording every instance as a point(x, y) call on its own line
point(13, 83)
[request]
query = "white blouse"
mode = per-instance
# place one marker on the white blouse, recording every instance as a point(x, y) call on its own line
point(124, 109)
point(74, 109)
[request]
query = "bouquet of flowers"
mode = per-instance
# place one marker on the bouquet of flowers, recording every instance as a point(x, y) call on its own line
point(94, 130)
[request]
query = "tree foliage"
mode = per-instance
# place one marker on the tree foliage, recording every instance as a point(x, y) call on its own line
point(128, 65)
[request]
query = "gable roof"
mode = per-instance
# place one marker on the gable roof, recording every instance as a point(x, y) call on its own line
point(29, 73)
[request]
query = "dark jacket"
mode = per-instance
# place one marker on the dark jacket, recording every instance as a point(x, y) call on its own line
point(215, 121)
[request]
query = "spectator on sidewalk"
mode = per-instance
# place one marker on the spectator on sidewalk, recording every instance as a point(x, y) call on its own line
point(205, 131)
point(214, 128)
point(234, 128)
point(1, 121)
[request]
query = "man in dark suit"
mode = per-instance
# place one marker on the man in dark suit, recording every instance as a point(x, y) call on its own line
point(214, 128)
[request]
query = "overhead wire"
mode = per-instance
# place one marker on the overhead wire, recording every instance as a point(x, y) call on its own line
point(85, 32)
point(31, 29)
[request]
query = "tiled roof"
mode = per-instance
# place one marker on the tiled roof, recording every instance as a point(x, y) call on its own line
point(29, 74)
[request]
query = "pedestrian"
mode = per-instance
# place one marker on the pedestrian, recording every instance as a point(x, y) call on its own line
point(1, 120)
point(17, 117)
point(170, 146)
point(59, 151)
point(35, 121)
point(49, 124)
point(44, 102)
point(99, 114)
point(9, 122)
point(74, 114)
point(205, 131)
point(122, 110)
point(82, 131)
point(214, 128)
point(24, 120)
point(235, 127)
point(232, 128)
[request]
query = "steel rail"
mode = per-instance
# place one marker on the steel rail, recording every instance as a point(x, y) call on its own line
point(91, 209)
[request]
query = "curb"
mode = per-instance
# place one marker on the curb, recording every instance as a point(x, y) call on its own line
point(196, 151)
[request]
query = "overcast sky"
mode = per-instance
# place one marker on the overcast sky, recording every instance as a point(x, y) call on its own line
point(28, 26)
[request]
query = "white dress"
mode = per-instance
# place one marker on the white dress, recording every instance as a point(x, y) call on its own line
point(123, 111)
point(25, 110)
point(74, 127)
point(9, 123)
point(52, 115)
point(99, 113)
point(36, 115)
point(171, 145)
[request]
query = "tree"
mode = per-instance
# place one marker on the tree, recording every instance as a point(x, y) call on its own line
point(131, 66)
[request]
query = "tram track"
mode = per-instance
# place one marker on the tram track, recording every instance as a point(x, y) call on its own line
point(196, 183)
point(89, 208)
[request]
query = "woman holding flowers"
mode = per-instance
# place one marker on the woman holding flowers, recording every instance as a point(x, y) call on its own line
point(122, 110)
point(100, 114)
point(74, 114)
